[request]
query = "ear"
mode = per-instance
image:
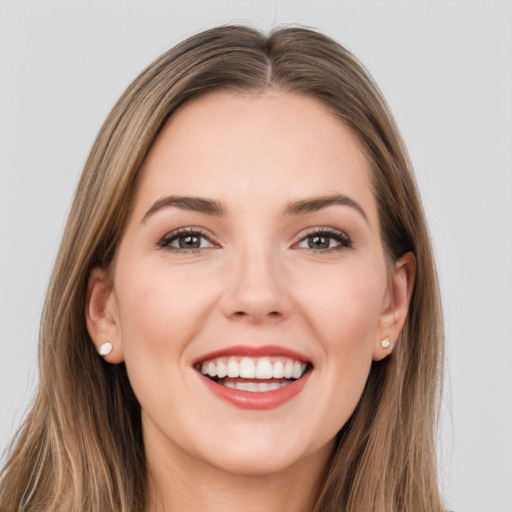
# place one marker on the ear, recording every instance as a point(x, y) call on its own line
point(396, 305)
point(101, 314)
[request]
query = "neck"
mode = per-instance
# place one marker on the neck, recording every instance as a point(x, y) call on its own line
point(189, 485)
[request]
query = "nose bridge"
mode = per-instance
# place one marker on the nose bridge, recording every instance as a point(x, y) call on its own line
point(256, 289)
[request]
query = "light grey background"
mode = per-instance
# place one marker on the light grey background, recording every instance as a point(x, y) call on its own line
point(446, 69)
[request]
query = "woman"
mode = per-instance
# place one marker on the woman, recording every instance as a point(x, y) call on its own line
point(248, 254)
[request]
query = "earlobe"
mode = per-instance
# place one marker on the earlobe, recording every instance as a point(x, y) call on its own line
point(396, 308)
point(102, 317)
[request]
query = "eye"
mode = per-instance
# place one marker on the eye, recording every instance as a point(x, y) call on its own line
point(325, 240)
point(184, 240)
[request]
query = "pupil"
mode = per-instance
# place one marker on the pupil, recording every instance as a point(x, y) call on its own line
point(319, 242)
point(189, 241)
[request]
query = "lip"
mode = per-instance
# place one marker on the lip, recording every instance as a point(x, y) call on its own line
point(249, 351)
point(265, 400)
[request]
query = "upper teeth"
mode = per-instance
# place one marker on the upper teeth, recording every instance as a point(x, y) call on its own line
point(254, 368)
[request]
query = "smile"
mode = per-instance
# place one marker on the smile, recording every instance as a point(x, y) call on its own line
point(256, 375)
point(254, 378)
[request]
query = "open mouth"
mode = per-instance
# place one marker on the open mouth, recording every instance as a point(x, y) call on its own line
point(253, 374)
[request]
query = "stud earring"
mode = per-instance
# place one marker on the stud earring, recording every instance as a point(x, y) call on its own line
point(105, 349)
point(386, 344)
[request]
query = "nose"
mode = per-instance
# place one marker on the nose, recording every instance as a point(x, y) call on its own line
point(256, 289)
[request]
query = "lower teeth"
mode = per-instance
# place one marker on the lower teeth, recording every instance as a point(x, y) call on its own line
point(256, 387)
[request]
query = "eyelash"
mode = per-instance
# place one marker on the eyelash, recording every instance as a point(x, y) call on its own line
point(342, 239)
point(165, 243)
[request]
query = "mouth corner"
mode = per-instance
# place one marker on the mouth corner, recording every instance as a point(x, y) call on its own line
point(250, 392)
point(253, 374)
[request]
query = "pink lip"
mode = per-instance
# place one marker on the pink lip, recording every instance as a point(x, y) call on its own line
point(265, 400)
point(248, 400)
point(249, 351)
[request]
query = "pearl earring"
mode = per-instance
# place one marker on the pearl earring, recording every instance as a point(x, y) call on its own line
point(105, 349)
point(386, 344)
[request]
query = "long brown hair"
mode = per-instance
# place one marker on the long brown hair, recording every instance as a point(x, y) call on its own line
point(80, 447)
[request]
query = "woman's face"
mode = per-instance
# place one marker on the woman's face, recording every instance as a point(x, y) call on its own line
point(253, 247)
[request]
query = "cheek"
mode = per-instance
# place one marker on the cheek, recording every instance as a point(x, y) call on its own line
point(160, 307)
point(343, 312)
point(344, 305)
point(161, 310)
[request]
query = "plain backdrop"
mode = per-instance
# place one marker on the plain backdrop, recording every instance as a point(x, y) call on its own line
point(446, 70)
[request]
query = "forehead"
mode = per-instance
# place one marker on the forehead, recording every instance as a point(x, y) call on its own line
point(232, 146)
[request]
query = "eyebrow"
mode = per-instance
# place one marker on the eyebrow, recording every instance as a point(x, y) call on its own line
point(196, 204)
point(212, 207)
point(317, 203)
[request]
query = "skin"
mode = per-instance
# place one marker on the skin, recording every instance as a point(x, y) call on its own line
point(255, 281)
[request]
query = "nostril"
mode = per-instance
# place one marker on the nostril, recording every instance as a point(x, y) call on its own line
point(241, 314)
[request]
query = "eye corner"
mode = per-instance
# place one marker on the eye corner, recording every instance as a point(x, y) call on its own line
point(187, 240)
point(324, 239)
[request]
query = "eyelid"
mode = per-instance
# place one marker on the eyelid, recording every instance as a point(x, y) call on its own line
point(344, 240)
point(164, 242)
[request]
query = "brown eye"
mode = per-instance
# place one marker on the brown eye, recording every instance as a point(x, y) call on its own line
point(186, 241)
point(325, 241)
point(189, 242)
point(319, 242)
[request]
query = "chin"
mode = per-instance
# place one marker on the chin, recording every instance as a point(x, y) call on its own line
point(263, 455)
